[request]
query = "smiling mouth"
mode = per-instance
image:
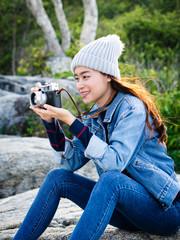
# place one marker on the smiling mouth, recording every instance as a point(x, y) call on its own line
point(84, 94)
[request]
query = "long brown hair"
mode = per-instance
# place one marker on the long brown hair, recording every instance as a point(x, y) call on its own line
point(135, 88)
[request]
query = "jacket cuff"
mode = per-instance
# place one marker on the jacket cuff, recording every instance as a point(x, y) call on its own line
point(81, 131)
point(96, 148)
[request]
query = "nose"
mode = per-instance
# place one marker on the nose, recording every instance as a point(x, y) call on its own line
point(79, 84)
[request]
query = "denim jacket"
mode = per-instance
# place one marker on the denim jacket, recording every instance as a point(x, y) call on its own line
point(122, 141)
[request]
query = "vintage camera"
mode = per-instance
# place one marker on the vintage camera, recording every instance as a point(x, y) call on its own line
point(47, 94)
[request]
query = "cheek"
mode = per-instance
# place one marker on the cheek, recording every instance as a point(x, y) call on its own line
point(78, 87)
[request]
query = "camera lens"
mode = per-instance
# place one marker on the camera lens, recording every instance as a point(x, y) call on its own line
point(38, 99)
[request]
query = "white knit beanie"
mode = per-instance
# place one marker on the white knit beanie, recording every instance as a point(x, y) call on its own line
point(101, 55)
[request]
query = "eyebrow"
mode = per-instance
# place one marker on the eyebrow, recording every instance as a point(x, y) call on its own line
point(82, 73)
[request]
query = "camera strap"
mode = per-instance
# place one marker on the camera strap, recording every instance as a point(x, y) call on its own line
point(63, 89)
point(93, 113)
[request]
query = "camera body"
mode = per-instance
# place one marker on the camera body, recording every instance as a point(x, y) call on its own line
point(46, 95)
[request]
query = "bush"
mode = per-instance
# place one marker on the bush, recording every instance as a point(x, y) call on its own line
point(34, 62)
point(151, 38)
point(168, 103)
point(167, 98)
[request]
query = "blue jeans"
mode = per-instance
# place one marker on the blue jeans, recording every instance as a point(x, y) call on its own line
point(114, 199)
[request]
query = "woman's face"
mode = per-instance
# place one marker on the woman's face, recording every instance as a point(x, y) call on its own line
point(93, 85)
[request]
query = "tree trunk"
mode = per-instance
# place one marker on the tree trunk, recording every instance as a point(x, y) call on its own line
point(38, 11)
point(66, 36)
point(88, 32)
point(14, 49)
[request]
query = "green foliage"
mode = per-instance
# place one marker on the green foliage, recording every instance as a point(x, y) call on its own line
point(34, 62)
point(151, 38)
point(63, 75)
point(109, 9)
point(74, 48)
point(34, 126)
point(11, 25)
point(167, 98)
point(168, 103)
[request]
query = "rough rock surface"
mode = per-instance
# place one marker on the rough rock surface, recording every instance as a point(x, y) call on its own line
point(22, 154)
point(13, 209)
point(14, 96)
point(59, 64)
point(22, 85)
point(24, 163)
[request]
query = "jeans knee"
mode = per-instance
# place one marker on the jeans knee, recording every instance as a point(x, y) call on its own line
point(112, 178)
point(56, 175)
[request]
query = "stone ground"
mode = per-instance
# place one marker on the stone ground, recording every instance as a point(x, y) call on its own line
point(14, 208)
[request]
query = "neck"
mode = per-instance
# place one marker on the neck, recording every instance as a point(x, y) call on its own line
point(113, 94)
point(108, 96)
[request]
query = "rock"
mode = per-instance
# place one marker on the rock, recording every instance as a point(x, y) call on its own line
point(13, 210)
point(24, 163)
point(8, 106)
point(14, 99)
point(23, 84)
point(59, 64)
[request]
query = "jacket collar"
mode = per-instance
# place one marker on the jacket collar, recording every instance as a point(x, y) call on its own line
point(111, 109)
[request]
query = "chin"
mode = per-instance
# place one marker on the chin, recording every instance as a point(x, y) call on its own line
point(87, 101)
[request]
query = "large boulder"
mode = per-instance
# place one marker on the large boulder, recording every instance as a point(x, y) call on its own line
point(13, 210)
point(11, 104)
point(14, 99)
point(24, 163)
point(59, 64)
point(23, 84)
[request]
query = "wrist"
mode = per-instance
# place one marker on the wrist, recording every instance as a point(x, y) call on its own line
point(70, 119)
point(48, 120)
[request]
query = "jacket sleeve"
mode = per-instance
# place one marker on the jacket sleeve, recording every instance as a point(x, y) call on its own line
point(55, 134)
point(68, 153)
point(124, 141)
point(72, 158)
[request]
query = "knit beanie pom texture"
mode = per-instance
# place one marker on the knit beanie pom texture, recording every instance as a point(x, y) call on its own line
point(101, 55)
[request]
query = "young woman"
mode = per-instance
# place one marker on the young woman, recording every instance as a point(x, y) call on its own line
point(123, 135)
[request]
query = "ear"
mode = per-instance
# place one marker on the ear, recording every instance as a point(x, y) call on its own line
point(108, 78)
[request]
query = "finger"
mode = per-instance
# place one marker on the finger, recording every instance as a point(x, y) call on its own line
point(35, 89)
point(38, 85)
point(33, 108)
point(50, 108)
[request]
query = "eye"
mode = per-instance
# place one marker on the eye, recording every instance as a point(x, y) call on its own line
point(76, 79)
point(85, 77)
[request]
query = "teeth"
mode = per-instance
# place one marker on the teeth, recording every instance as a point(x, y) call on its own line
point(84, 94)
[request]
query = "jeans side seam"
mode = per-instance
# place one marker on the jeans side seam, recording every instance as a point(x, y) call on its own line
point(46, 204)
point(104, 214)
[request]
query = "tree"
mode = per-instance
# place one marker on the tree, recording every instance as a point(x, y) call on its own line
point(51, 41)
point(38, 11)
point(66, 35)
point(90, 22)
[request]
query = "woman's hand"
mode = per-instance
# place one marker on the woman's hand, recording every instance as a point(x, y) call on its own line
point(51, 112)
